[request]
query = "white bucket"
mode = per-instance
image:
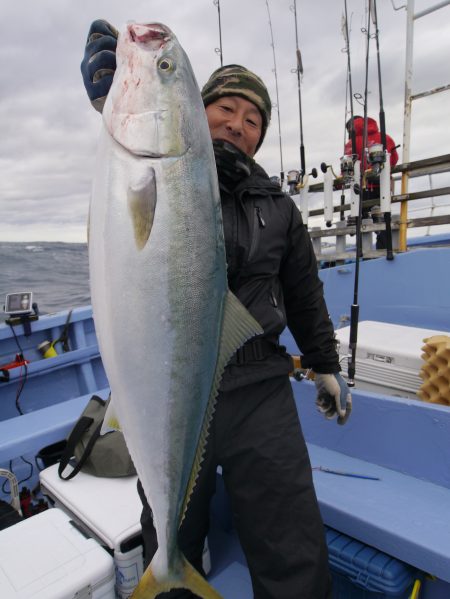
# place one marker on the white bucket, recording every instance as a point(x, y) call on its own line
point(129, 569)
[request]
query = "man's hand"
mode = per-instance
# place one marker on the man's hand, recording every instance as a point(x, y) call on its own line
point(99, 62)
point(333, 397)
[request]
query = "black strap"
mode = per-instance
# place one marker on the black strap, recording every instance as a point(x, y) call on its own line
point(74, 438)
point(255, 350)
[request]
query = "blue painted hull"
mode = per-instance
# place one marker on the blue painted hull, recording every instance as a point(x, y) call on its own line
point(404, 443)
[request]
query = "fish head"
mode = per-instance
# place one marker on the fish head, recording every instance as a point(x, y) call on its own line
point(148, 108)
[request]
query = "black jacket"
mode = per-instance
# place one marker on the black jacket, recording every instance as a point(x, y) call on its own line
point(273, 271)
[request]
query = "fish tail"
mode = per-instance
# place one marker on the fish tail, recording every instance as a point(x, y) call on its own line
point(149, 587)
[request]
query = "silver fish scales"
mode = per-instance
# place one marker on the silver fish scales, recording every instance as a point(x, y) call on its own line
point(166, 322)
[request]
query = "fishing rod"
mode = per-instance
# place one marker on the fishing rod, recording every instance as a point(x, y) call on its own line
point(384, 177)
point(299, 71)
point(219, 50)
point(354, 312)
point(347, 166)
point(349, 76)
point(278, 101)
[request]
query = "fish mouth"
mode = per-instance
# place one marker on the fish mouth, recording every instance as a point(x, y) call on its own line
point(160, 156)
point(155, 155)
point(155, 35)
point(133, 132)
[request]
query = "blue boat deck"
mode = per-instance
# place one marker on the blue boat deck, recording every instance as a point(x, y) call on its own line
point(405, 443)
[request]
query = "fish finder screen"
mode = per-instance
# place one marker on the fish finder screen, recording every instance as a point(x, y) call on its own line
point(19, 303)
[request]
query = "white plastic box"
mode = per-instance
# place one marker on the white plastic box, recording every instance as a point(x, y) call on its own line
point(388, 357)
point(47, 557)
point(107, 509)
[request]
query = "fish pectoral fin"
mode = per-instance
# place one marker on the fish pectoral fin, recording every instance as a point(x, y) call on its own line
point(238, 327)
point(149, 587)
point(141, 198)
point(110, 420)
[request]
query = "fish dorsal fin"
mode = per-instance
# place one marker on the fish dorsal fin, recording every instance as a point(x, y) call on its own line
point(141, 204)
point(238, 326)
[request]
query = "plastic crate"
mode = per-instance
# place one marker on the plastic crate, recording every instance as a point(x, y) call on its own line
point(47, 557)
point(362, 572)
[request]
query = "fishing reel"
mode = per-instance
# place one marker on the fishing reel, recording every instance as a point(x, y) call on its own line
point(376, 157)
point(295, 179)
point(347, 166)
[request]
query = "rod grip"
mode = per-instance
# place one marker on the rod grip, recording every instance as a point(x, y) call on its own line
point(354, 316)
point(389, 252)
point(302, 159)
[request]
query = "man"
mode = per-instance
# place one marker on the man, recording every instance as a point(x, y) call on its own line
point(372, 191)
point(255, 434)
point(373, 137)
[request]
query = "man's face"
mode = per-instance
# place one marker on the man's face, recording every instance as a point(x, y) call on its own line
point(237, 121)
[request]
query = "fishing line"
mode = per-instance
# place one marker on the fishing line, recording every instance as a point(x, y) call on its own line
point(346, 33)
point(299, 71)
point(277, 106)
point(345, 111)
point(348, 94)
point(387, 214)
point(219, 50)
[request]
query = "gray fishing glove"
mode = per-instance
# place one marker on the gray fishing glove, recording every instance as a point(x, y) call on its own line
point(99, 62)
point(333, 397)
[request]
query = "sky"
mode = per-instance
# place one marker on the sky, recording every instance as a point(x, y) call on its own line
point(49, 131)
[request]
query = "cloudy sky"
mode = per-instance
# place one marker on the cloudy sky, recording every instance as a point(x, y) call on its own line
point(48, 130)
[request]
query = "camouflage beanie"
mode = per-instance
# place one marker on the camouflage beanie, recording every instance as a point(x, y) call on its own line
point(234, 80)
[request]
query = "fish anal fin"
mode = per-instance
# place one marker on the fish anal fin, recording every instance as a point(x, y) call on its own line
point(238, 325)
point(141, 198)
point(190, 579)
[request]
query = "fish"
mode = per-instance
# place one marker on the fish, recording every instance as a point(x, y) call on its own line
point(166, 321)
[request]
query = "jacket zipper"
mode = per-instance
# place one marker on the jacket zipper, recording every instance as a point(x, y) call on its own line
point(258, 224)
point(261, 221)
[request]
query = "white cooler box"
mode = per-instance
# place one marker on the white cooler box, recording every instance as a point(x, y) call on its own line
point(47, 557)
point(388, 357)
point(107, 509)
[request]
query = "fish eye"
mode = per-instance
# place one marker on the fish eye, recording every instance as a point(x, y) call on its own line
point(166, 65)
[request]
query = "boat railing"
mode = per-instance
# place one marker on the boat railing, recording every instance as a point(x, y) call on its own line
point(411, 19)
point(343, 248)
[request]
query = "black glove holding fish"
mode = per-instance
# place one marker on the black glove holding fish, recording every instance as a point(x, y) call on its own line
point(99, 61)
point(333, 397)
point(232, 164)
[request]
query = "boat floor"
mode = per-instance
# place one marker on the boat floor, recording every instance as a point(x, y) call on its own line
point(229, 573)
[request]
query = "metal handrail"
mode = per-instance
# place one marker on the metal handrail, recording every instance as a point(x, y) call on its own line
point(409, 97)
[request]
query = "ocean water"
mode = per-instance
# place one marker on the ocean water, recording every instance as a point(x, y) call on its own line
point(56, 273)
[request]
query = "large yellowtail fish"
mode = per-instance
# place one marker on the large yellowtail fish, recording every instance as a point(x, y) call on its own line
point(166, 322)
